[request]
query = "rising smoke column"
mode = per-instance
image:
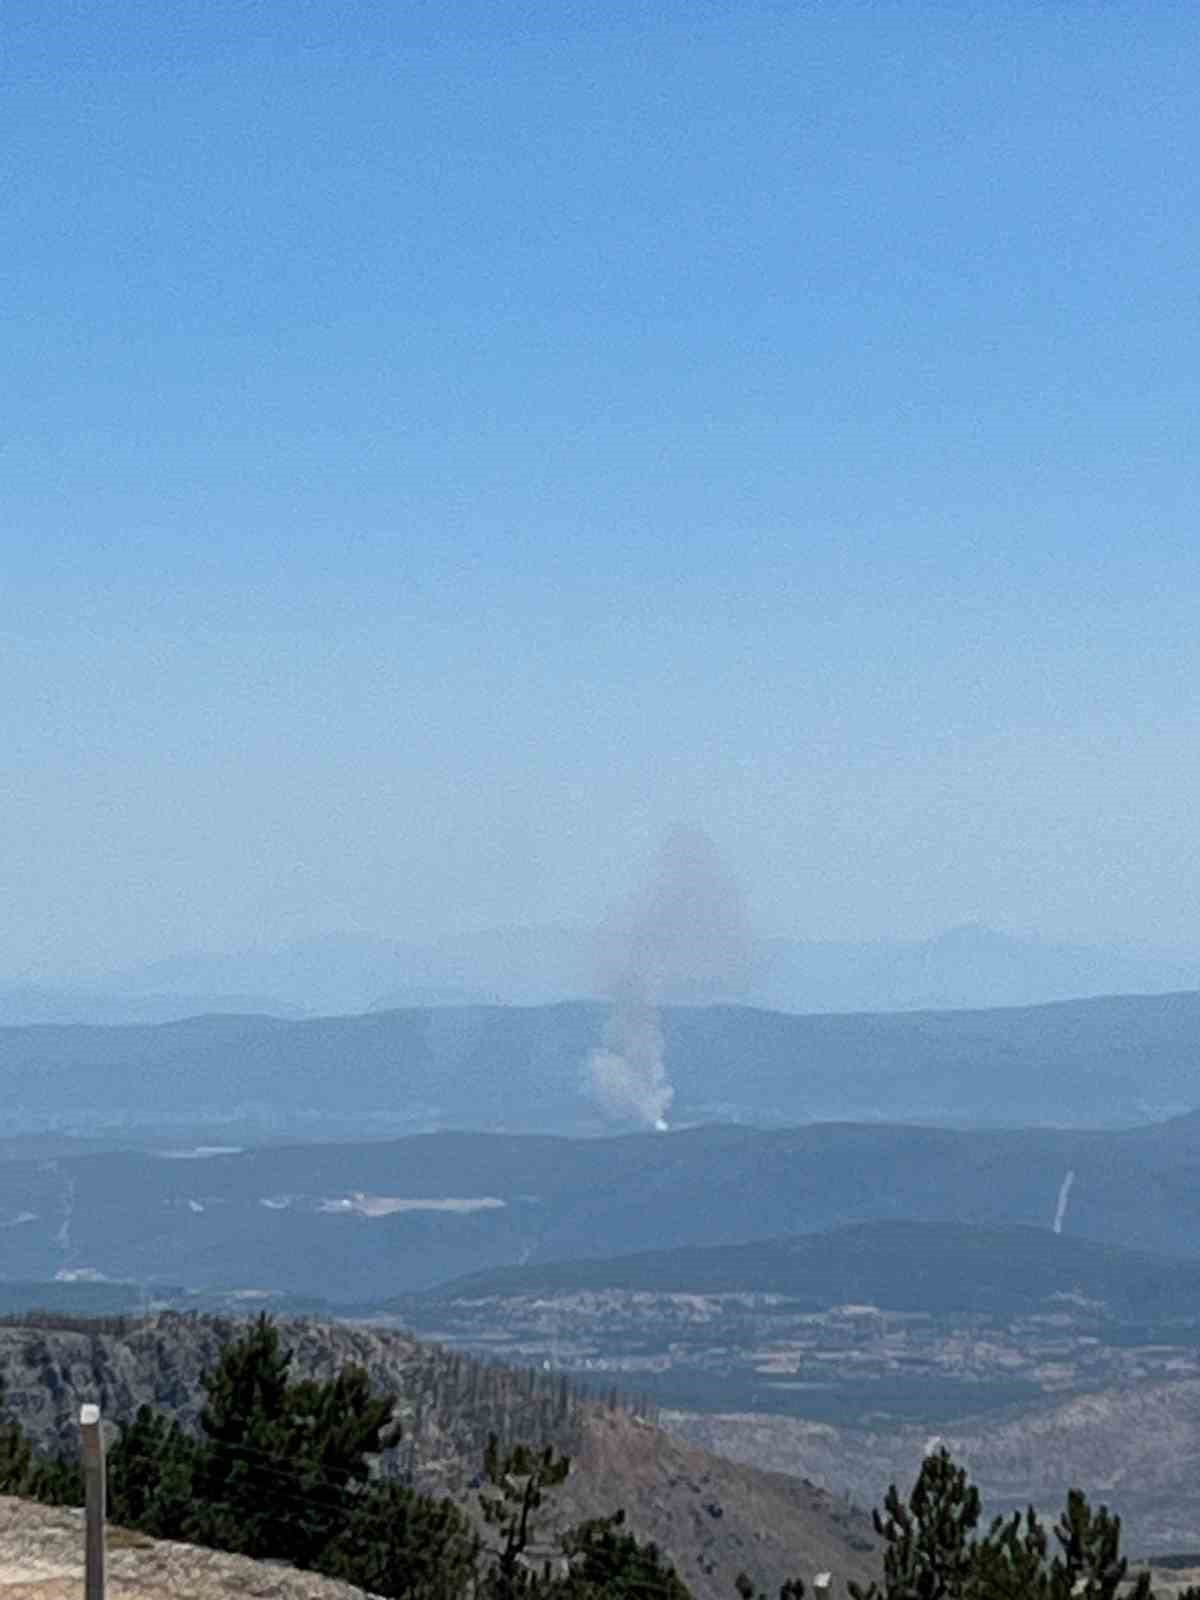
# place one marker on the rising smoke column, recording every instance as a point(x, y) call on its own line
point(682, 938)
point(627, 1073)
point(1064, 1195)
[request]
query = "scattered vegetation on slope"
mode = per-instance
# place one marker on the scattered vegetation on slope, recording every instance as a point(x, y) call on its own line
point(287, 1468)
point(709, 1515)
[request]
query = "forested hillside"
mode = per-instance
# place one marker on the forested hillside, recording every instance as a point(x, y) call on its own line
point(361, 1222)
point(928, 1267)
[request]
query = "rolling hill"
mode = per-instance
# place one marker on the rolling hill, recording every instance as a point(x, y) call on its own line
point(932, 1267)
point(367, 1220)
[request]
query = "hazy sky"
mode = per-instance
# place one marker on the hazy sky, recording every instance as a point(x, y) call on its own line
point(445, 445)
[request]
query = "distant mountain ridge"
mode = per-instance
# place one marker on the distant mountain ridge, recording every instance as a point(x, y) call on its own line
point(28, 1005)
point(968, 967)
point(1103, 1062)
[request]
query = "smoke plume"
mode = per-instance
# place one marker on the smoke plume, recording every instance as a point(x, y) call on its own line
point(683, 938)
point(627, 1074)
point(1064, 1195)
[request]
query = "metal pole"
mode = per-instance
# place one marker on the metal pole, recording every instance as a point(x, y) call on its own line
point(92, 1441)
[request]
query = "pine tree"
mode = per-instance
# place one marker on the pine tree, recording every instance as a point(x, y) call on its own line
point(1011, 1563)
point(928, 1541)
point(152, 1476)
point(932, 1551)
point(23, 1471)
point(16, 1455)
point(608, 1563)
point(517, 1483)
point(282, 1462)
point(1091, 1566)
point(399, 1543)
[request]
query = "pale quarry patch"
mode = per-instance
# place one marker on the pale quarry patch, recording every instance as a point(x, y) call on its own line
point(382, 1205)
point(201, 1152)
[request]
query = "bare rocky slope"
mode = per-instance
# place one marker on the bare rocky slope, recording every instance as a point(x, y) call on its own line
point(712, 1516)
point(1136, 1449)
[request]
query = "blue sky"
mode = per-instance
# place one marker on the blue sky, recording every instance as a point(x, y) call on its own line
point(443, 447)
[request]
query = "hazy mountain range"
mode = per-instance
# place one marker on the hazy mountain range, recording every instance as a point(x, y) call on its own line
point(30, 1005)
point(965, 967)
point(1099, 1063)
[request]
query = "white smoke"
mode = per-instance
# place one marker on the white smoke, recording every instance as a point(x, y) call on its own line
point(627, 1074)
point(683, 938)
point(1064, 1195)
point(630, 1090)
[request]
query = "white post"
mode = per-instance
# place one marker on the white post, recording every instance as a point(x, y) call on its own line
point(92, 1442)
